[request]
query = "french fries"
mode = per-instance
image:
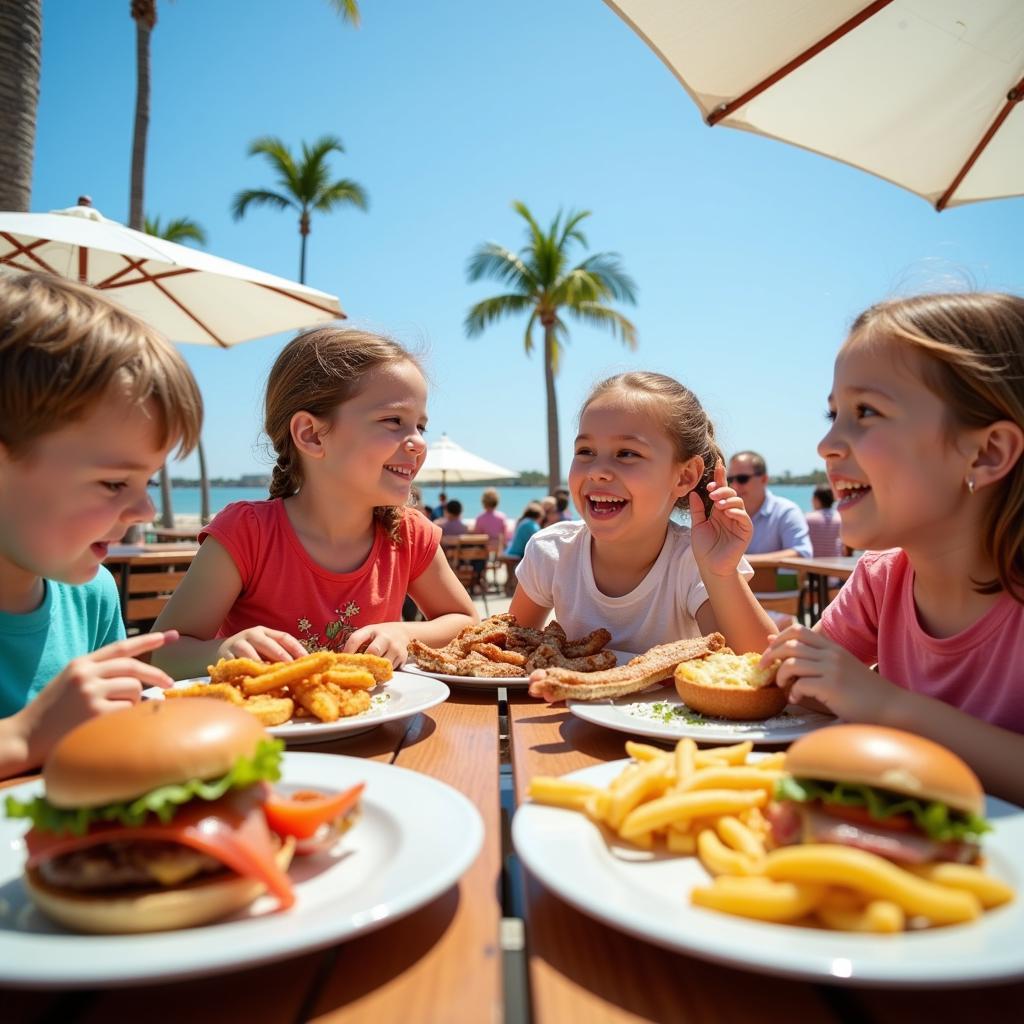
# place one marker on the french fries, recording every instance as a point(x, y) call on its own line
point(711, 804)
point(325, 685)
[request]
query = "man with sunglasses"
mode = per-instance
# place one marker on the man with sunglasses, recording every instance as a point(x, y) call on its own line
point(780, 530)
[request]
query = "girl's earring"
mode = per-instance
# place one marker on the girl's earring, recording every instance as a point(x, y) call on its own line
point(970, 485)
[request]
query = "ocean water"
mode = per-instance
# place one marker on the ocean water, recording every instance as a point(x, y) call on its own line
point(513, 499)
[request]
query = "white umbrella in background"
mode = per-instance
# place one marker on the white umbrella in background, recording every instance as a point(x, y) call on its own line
point(186, 294)
point(924, 93)
point(448, 462)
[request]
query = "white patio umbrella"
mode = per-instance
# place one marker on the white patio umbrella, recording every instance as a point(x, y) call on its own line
point(186, 294)
point(447, 462)
point(924, 93)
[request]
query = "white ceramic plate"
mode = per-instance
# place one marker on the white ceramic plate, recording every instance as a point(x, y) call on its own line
point(403, 696)
point(487, 683)
point(392, 861)
point(661, 715)
point(647, 895)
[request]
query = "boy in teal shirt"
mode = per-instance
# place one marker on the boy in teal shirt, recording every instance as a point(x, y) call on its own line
point(92, 401)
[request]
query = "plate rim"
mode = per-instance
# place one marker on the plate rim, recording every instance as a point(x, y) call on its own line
point(309, 931)
point(690, 937)
point(354, 726)
point(651, 730)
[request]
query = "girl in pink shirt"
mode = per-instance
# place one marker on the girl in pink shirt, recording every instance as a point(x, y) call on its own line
point(328, 560)
point(925, 456)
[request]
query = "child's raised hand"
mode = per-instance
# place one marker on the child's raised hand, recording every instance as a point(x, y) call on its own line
point(719, 541)
point(385, 639)
point(814, 667)
point(261, 643)
point(105, 680)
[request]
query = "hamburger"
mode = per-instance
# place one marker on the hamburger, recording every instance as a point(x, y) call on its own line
point(154, 818)
point(728, 685)
point(883, 790)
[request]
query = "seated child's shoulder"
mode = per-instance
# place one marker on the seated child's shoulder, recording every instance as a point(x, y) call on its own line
point(559, 534)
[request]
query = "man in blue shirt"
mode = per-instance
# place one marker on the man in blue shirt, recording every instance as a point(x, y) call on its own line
point(780, 529)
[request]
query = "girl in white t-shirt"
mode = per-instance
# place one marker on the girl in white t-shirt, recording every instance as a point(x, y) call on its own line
point(645, 447)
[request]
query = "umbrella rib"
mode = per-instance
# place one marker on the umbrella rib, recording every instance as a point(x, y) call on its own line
point(1013, 97)
point(24, 250)
point(725, 109)
point(338, 314)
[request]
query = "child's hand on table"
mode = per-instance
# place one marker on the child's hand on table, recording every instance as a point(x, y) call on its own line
point(93, 684)
point(260, 643)
point(815, 668)
point(385, 639)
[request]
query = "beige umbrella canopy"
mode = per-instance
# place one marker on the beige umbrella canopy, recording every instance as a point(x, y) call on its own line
point(186, 294)
point(447, 462)
point(924, 93)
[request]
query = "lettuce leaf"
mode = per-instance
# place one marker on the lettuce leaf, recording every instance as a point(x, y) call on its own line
point(164, 801)
point(936, 820)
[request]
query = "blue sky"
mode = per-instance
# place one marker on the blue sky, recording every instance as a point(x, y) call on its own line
point(751, 257)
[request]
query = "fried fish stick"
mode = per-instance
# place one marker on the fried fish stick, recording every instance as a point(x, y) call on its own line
point(221, 691)
point(346, 678)
point(288, 672)
point(228, 669)
point(270, 710)
point(380, 668)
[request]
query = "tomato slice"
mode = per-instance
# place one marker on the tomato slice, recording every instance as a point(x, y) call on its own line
point(301, 814)
point(862, 816)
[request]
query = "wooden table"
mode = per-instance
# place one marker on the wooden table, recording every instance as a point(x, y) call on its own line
point(444, 963)
point(583, 971)
point(816, 572)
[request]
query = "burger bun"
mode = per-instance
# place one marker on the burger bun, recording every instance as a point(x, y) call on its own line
point(151, 910)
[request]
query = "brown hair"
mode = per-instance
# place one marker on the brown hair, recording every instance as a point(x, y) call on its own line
point(489, 499)
point(62, 347)
point(683, 417)
point(316, 372)
point(971, 346)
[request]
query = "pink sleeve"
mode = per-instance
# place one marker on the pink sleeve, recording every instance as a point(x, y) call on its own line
point(851, 620)
point(236, 529)
point(423, 538)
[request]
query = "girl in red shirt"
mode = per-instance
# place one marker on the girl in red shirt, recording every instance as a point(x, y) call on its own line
point(925, 456)
point(327, 561)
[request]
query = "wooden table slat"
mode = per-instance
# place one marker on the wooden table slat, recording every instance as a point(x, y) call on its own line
point(442, 963)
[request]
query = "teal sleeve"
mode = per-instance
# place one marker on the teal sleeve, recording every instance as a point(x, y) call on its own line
point(109, 624)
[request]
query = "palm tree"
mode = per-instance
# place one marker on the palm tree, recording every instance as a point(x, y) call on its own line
point(541, 282)
point(181, 230)
point(184, 229)
point(305, 185)
point(21, 34)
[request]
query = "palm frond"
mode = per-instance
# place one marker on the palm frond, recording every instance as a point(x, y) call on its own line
point(341, 192)
point(598, 315)
point(258, 197)
point(281, 160)
point(180, 229)
point(489, 310)
point(607, 266)
point(348, 10)
point(493, 260)
point(570, 232)
point(528, 337)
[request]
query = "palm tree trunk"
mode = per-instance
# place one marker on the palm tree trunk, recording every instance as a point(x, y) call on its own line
point(144, 13)
point(554, 462)
point(204, 485)
point(304, 233)
point(21, 33)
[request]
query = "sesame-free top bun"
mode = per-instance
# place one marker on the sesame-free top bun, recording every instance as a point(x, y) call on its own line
point(121, 755)
point(874, 755)
point(728, 685)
